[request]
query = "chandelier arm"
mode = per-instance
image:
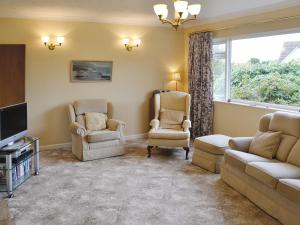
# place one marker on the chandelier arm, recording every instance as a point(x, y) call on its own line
point(164, 21)
point(186, 20)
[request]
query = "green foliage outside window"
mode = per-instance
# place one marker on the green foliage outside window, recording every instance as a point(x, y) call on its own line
point(268, 81)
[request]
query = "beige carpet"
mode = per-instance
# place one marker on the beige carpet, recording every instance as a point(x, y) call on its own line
point(4, 213)
point(129, 190)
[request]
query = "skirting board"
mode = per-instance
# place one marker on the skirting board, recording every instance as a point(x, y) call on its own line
point(67, 146)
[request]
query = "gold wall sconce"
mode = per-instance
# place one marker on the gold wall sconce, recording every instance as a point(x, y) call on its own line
point(130, 44)
point(51, 46)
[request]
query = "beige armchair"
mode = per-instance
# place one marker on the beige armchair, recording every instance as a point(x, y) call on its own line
point(170, 127)
point(95, 144)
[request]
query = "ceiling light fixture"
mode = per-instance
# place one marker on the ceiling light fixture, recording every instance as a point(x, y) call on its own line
point(182, 11)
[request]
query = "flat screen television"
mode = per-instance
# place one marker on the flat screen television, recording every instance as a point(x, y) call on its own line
point(13, 123)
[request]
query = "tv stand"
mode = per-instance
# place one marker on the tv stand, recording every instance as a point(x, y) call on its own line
point(17, 163)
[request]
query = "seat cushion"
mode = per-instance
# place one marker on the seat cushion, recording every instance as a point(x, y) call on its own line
point(269, 173)
point(265, 144)
point(169, 134)
point(290, 188)
point(215, 144)
point(240, 159)
point(103, 135)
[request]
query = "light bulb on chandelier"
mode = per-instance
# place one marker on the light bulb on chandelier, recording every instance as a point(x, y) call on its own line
point(182, 11)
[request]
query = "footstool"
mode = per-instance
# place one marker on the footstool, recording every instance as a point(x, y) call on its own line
point(209, 151)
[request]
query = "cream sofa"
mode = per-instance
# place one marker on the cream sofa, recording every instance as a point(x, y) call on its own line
point(176, 137)
point(95, 144)
point(272, 184)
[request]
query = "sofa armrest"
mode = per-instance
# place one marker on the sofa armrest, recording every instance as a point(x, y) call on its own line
point(78, 129)
point(154, 124)
point(186, 125)
point(240, 143)
point(115, 125)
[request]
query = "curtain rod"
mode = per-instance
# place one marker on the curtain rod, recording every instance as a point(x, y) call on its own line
point(250, 23)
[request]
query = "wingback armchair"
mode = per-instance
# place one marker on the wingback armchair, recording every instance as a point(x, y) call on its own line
point(90, 145)
point(171, 124)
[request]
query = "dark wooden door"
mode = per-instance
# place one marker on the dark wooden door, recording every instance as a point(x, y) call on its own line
point(12, 74)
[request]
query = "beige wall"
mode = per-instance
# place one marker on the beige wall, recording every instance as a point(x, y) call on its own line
point(135, 74)
point(234, 119)
point(237, 120)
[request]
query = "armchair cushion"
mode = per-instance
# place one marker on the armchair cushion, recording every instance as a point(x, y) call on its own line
point(103, 135)
point(95, 121)
point(169, 134)
point(171, 119)
point(265, 144)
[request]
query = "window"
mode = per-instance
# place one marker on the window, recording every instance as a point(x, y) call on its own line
point(219, 68)
point(263, 70)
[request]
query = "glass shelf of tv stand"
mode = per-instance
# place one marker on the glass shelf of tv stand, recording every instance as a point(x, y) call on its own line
point(17, 163)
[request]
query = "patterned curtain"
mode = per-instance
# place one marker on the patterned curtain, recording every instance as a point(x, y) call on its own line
point(201, 83)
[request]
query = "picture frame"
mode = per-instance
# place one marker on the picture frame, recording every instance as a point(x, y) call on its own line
point(91, 71)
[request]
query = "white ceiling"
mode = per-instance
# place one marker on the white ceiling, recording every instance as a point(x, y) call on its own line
point(137, 12)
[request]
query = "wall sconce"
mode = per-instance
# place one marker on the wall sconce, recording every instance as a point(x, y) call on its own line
point(127, 42)
point(51, 46)
point(176, 77)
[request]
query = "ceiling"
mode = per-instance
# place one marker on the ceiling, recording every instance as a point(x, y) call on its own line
point(135, 12)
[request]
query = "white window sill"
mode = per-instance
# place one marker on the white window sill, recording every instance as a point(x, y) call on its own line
point(261, 106)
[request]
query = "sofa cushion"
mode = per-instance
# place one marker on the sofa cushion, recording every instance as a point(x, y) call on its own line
point(215, 144)
point(288, 123)
point(290, 188)
point(264, 122)
point(265, 144)
point(103, 135)
point(240, 159)
point(269, 173)
point(171, 119)
point(294, 156)
point(286, 144)
point(168, 134)
point(90, 105)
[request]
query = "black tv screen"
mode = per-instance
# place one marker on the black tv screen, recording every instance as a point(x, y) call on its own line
point(13, 123)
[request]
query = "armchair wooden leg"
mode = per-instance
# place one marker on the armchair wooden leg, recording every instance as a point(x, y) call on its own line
point(149, 150)
point(187, 150)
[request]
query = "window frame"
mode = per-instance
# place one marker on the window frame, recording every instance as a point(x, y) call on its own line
point(228, 70)
point(220, 42)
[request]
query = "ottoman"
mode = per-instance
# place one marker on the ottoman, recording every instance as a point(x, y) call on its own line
point(209, 151)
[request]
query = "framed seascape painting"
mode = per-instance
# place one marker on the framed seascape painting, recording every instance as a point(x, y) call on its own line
point(91, 71)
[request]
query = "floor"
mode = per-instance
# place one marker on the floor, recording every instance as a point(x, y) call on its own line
point(129, 190)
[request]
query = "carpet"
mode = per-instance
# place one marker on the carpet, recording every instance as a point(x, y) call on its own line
point(129, 190)
point(4, 212)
